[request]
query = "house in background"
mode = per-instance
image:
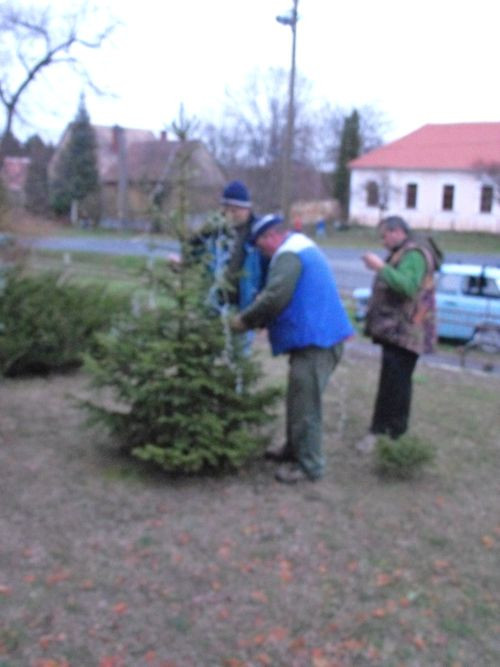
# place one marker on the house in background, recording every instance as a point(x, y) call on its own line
point(443, 177)
point(14, 173)
point(139, 172)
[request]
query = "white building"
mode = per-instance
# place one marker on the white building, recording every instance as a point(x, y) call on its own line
point(438, 177)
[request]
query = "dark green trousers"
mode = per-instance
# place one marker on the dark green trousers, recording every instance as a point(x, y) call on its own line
point(309, 371)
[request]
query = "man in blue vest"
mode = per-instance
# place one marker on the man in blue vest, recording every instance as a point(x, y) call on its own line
point(302, 311)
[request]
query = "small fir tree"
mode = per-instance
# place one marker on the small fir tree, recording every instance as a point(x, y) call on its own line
point(185, 394)
point(75, 188)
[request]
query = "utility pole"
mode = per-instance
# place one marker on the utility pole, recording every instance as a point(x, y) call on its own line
point(290, 20)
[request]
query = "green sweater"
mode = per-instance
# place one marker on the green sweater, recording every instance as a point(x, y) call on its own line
point(407, 277)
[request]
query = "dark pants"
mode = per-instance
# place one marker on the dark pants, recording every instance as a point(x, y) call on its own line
point(309, 371)
point(393, 402)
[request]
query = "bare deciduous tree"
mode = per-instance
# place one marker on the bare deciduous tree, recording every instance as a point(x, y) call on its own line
point(34, 39)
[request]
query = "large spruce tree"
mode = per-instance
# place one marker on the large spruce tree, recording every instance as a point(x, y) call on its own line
point(187, 398)
point(350, 146)
point(75, 188)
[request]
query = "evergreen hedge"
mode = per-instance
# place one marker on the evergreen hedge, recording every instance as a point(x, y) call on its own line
point(48, 325)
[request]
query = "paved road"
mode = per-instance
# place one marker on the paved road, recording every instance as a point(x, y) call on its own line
point(348, 267)
point(346, 262)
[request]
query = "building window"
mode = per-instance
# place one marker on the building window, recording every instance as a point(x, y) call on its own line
point(448, 195)
point(486, 199)
point(372, 195)
point(411, 195)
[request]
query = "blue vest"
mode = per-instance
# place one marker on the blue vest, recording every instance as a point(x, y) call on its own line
point(315, 315)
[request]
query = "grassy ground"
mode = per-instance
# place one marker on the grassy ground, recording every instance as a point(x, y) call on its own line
point(106, 563)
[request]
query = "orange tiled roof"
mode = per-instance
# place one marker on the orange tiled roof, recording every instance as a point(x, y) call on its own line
point(460, 146)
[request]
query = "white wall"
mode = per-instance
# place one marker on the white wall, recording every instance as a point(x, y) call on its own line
point(465, 215)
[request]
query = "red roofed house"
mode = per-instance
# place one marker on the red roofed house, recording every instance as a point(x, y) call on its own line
point(438, 177)
point(137, 170)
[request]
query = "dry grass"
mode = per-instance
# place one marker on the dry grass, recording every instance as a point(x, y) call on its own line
point(105, 563)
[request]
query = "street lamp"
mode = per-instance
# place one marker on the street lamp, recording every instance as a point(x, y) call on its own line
point(289, 19)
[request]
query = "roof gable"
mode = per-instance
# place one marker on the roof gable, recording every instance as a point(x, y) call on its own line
point(460, 146)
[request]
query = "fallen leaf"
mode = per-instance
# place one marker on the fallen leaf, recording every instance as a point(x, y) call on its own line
point(277, 634)
point(379, 612)
point(224, 551)
point(488, 541)
point(58, 576)
point(223, 614)
point(111, 661)
point(419, 642)
point(383, 580)
point(5, 590)
point(184, 538)
point(353, 566)
point(441, 564)
point(259, 596)
point(120, 607)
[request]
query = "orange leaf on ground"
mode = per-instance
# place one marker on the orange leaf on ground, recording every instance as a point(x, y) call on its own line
point(277, 634)
point(441, 564)
point(379, 612)
point(111, 661)
point(120, 607)
point(264, 659)
point(419, 642)
point(259, 596)
point(224, 551)
point(298, 644)
point(58, 576)
point(184, 538)
point(5, 590)
point(488, 541)
point(223, 614)
point(353, 566)
point(285, 570)
point(383, 579)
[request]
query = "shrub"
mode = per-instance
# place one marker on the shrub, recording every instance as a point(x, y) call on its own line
point(185, 394)
point(402, 458)
point(47, 325)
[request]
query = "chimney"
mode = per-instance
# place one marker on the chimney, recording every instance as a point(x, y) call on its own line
point(163, 135)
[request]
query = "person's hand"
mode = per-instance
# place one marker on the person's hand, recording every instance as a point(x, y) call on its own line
point(372, 261)
point(236, 324)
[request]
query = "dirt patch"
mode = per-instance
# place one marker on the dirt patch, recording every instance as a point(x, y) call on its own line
point(104, 563)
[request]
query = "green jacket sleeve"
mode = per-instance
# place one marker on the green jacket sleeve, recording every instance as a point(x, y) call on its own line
point(283, 275)
point(407, 277)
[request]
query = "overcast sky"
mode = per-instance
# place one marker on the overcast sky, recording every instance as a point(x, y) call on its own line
point(432, 61)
